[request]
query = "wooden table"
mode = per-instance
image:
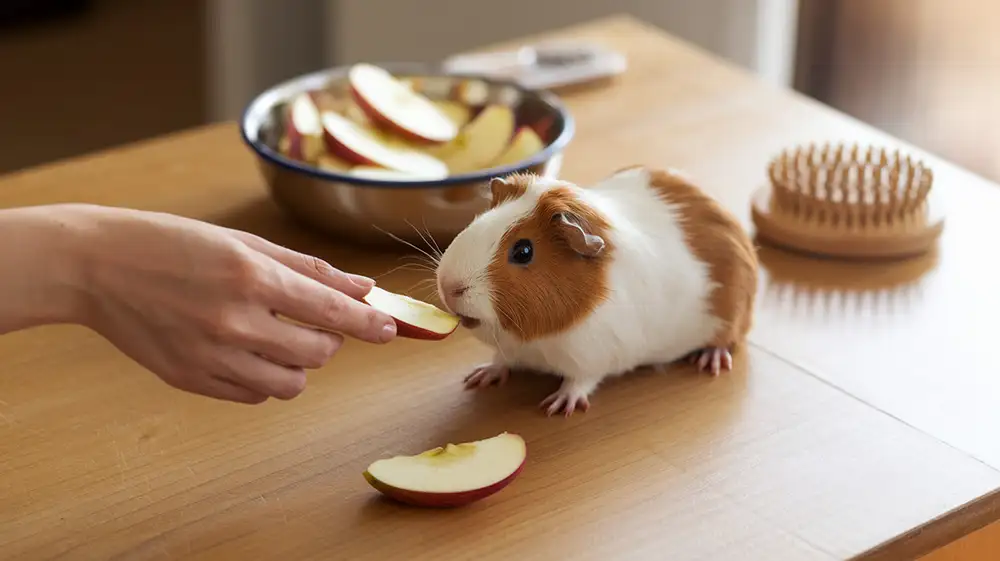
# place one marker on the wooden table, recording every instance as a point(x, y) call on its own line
point(861, 423)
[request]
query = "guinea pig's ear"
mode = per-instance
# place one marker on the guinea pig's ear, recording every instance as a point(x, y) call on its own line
point(502, 189)
point(575, 233)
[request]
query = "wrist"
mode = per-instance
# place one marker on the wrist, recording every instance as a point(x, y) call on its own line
point(43, 249)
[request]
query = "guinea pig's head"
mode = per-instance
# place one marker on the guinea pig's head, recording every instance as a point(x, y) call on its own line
point(533, 264)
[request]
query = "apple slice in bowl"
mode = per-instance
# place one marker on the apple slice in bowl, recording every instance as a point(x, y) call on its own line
point(526, 144)
point(414, 319)
point(305, 129)
point(453, 475)
point(361, 145)
point(479, 142)
point(395, 106)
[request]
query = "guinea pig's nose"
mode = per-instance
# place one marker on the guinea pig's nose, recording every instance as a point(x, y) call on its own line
point(451, 290)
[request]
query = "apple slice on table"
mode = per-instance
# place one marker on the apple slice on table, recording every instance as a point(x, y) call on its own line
point(365, 146)
point(452, 475)
point(304, 129)
point(414, 319)
point(478, 143)
point(393, 105)
point(526, 144)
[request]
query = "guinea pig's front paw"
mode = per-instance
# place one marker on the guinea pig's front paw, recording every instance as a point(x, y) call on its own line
point(486, 375)
point(712, 359)
point(570, 396)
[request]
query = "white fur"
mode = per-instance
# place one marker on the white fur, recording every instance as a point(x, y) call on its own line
point(657, 310)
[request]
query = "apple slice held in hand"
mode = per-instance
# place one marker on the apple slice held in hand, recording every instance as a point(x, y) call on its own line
point(452, 475)
point(361, 145)
point(395, 106)
point(414, 319)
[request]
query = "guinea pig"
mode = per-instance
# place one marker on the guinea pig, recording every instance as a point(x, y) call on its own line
point(641, 269)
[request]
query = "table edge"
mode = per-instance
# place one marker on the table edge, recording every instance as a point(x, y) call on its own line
point(948, 528)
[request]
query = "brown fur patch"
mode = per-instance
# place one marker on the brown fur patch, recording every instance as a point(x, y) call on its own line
point(510, 188)
point(717, 238)
point(561, 285)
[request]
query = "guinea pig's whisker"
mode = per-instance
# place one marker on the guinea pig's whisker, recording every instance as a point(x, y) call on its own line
point(499, 348)
point(507, 314)
point(437, 248)
point(404, 267)
point(421, 284)
point(431, 266)
point(432, 246)
point(402, 241)
point(423, 266)
point(427, 292)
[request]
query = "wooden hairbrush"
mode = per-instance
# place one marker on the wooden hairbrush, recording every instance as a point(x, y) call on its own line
point(838, 201)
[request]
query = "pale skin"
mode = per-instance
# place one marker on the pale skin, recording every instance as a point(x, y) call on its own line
point(196, 304)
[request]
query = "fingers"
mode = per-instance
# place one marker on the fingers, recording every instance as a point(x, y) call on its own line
point(258, 375)
point(226, 390)
point(289, 344)
point(304, 300)
point(355, 286)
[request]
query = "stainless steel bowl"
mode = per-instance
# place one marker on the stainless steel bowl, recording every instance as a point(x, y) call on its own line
point(367, 210)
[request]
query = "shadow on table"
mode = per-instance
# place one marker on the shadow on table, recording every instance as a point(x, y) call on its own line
point(804, 282)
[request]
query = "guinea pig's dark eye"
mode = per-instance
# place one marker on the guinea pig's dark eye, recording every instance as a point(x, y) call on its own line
point(522, 252)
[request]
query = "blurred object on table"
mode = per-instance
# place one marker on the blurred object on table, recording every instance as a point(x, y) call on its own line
point(545, 65)
point(923, 70)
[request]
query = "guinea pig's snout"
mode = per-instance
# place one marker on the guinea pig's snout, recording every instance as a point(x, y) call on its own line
point(451, 291)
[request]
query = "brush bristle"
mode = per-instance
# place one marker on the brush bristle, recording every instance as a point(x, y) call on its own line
point(848, 186)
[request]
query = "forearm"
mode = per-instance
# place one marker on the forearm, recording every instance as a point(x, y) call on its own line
point(40, 274)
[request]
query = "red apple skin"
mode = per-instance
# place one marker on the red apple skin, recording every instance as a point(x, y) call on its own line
point(441, 500)
point(340, 150)
point(387, 124)
point(408, 331)
point(295, 137)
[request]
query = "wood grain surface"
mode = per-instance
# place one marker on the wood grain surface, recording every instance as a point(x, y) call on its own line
point(858, 424)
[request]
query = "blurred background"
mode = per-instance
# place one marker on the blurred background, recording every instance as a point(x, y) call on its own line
point(83, 75)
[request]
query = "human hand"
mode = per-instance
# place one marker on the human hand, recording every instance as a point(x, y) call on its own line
point(196, 304)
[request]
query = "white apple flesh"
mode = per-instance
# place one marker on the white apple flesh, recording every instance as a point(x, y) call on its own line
point(457, 112)
point(526, 144)
point(394, 106)
point(414, 319)
point(452, 475)
point(360, 145)
point(480, 142)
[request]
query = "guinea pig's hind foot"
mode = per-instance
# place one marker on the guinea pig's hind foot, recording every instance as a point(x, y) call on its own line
point(486, 375)
point(712, 359)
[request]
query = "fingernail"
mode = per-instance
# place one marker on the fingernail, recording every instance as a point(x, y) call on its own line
point(388, 332)
point(364, 282)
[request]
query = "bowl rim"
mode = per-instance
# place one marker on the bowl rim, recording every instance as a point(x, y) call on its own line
point(416, 69)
